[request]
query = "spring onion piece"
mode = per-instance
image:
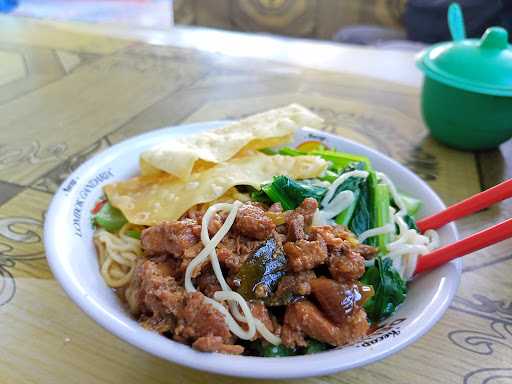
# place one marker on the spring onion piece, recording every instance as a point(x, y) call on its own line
point(110, 218)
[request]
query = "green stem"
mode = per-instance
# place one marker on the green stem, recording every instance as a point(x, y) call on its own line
point(344, 217)
point(341, 159)
point(381, 214)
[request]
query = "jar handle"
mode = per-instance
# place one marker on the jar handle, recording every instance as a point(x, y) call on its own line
point(456, 22)
point(495, 38)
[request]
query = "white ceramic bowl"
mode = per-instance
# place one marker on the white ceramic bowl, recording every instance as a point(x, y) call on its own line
point(72, 258)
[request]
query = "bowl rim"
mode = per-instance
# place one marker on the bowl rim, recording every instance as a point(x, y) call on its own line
point(240, 366)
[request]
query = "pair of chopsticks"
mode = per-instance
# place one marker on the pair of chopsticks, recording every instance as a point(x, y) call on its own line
point(479, 240)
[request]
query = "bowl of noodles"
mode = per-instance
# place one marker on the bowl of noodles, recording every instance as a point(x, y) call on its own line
point(259, 248)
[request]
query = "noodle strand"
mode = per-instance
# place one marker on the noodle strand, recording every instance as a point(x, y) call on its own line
point(117, 255)
point(235, 300)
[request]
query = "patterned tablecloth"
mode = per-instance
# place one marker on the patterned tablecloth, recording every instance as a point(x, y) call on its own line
point(66, 95)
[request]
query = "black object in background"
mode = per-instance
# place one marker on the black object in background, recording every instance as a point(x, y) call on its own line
point(426, 20)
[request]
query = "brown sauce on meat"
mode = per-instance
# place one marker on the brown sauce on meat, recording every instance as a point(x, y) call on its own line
point(317, 295)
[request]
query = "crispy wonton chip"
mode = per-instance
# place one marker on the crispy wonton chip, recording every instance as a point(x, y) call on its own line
point(149, 200)
point(184, 155)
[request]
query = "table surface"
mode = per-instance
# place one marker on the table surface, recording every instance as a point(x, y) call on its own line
point(68, 91)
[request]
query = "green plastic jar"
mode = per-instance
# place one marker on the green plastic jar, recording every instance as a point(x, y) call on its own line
point(466, 98)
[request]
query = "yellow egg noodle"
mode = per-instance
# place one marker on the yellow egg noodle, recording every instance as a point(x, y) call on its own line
point(117, 255)
point(407, 245)
point(235, 300)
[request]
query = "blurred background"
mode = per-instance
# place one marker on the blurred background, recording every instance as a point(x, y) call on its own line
point(397, 24)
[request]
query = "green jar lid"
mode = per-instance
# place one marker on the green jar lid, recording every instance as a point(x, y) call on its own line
point(483, 66)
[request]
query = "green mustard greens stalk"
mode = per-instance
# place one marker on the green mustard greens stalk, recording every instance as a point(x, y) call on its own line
point(381, 214)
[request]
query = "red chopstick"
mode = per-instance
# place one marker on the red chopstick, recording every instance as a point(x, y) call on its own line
point(479, 240)
point(467, 207)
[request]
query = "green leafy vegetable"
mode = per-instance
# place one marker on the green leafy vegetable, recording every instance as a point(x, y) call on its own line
point(260, 196)
point(262, 270)
point(411, 222)
point(277, 351)
point(412, 204)
point(340, 160)
point(291, 193)
point(110, 218)
point(268, 151)
point(315, 346)
point(390, 289)
point(256, 195)
point(345, 217)
point(312, 183)
point(289, 151)
point(352, 183)
point(329, 176)
point(133, 234)
point(361, 217)
point(92, 221)
point(359, 214)
point(381, 214)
